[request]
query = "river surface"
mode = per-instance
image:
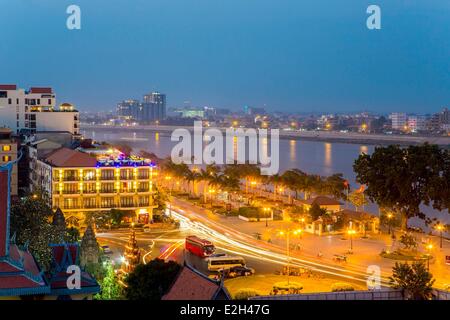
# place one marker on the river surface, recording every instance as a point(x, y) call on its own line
point(314, 157)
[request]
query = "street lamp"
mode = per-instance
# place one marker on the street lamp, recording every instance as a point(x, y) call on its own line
point(267, 210)
point(351, 232)
point(429, 247)
point(389, 216)
point(288, 252)
point(280, 191)
point(302, 220)
point(440, 228)
point(211, 191)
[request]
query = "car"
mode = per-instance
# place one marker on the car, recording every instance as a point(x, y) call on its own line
point(106, 250)
point(240, 271)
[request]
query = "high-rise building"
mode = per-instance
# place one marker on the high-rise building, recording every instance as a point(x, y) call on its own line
point(34, 110)
point(153, 108)
point(399, 120)
point(128, 109)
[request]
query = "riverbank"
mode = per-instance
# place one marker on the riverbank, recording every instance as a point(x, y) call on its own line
point(326, 136)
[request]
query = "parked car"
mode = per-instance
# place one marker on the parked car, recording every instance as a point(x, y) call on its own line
point(106, 250)
point(240, 271)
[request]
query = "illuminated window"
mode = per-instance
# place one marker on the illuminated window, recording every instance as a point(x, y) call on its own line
point(6, 148)
point(6, 158)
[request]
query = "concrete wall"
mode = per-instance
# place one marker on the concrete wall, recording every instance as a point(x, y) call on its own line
point(383, 294)
point(441, 295)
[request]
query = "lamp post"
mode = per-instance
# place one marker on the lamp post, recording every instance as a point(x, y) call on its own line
point(170, 197)
point(211, 191)
point(351, 232)
point(440, 228)
point(389, 216)
point(266, 211)
point(288, 252)
point(429, 248)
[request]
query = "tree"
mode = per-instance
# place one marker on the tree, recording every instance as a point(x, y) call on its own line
point(403, 178)
point(408, 241)
point(334, 185)
point(110, 287)
point(414, 280)
point(152, 280)
point(316, 211)
point(357, 199)
point(30, 222)
point(72, 235)
point(118, 215)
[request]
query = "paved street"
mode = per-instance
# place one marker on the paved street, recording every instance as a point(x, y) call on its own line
point(366, 251)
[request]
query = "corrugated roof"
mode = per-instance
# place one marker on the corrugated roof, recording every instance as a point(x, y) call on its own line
point(65, 157)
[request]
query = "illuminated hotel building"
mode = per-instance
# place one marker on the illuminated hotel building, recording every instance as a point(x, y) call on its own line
point(79, 182)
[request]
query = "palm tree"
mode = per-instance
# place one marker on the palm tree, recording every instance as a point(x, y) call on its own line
point(192, 176)
point(230, 184)
point(210, 176)
point(277, 182)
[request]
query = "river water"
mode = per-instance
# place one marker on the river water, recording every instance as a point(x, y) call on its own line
point(314, 157)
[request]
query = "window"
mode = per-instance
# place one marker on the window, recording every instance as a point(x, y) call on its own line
point(89, 203)
point(17, 101)
point(107, 202)
point(6, 158)
point(6, 148)
point(38, 101)
point(9, 101)
point(49, 101)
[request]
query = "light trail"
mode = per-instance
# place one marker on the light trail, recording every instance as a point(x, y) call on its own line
point(246, 249)
point(170, 250)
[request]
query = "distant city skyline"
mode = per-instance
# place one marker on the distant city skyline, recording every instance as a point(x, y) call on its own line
point(285, 56)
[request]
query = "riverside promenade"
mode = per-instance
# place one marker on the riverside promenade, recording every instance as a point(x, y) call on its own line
point(328, 136)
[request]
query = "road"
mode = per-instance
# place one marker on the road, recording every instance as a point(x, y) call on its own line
point(266, 258)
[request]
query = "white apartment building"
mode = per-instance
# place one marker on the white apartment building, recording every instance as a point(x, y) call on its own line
point(399, 120)
point(34, 110)
point(416, 123)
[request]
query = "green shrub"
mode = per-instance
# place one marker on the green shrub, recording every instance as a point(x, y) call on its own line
point(244, 294)
point(250, 212)
point(342, 286)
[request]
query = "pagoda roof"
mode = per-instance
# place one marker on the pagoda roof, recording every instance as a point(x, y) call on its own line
point(63, 256)
point(19, 272)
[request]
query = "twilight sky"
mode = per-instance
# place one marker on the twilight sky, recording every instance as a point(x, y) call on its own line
point(290, 55)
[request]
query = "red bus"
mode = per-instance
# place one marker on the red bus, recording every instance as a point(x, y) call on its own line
point(200, 247)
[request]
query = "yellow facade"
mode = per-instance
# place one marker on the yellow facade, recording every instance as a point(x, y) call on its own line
point(79, 190)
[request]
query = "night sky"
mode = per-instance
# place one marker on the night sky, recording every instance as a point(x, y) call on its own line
point(287, 55)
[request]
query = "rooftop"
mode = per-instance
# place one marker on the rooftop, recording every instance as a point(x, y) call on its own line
point(8, 87)
point(65, 157)
point(192, 285)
